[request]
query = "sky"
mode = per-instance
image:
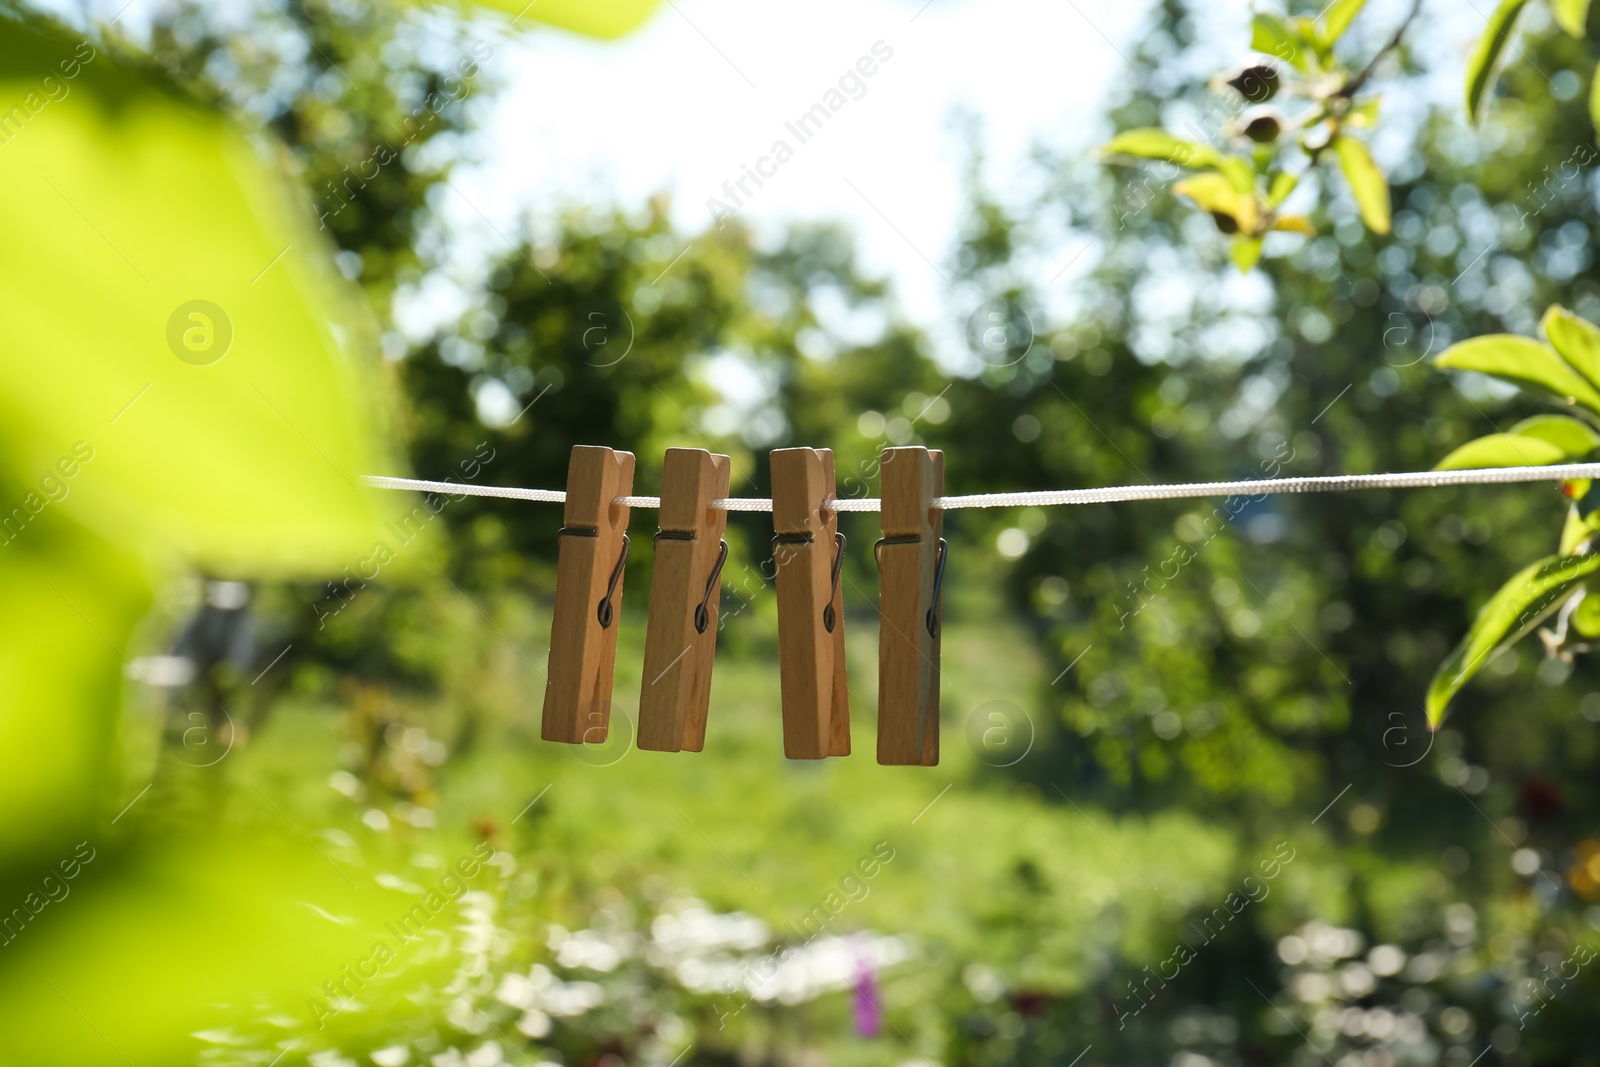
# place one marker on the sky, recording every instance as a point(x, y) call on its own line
point(705, 89)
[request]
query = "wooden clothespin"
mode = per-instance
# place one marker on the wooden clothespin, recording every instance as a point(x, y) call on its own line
point(682, 635)
point(911, 562)
point(808, 551)
point(583, 631)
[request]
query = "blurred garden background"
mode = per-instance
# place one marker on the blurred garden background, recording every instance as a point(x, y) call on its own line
point(273, 785)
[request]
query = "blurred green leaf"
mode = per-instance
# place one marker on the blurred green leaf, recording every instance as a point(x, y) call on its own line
point(1158, 144)
point(1246, 252)
point(1486, 54)
point(231, 432)
point(1586, 616)
point(1214, 193)
point(1294, 224)
point(68, 605)
point(1594, 98)
point(1240, 174)
point(1337, 18)
point(1271, 36)
point(1574, 437)
point(1572, 16)
point(593, 18)
point(1283, 184)
point(1502, 450)
point(1532, 593)
point(1367, 182)
point(1575, 340)
point(1521, 361)
point(223, 921)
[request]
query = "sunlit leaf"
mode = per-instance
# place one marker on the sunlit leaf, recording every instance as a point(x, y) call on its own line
point(1586, 617)
point(1578, 526)
point(1521, 361)
point(166, 940)
point(1486, 55)
point(1241, 174)
point(1363, 115)
point(594, 18)
point(1246, 251)
point(1216, 194)
point(1573, 436)
point(1163, 146)
point(1575, 340)
point(169, 303)
point(1283, 184)
point(1270, 36)
point(1337, 18)
point(1367, 183)
point(1594, 99)
point(68, 603)
point(1294, 224)
point(1532, 593)
point(1572, 15)
point(1502, 450)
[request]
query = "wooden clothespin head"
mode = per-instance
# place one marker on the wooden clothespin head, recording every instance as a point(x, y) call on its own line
point(808, 551)
point(583, 631)
point(681, 639)
point(911, 558)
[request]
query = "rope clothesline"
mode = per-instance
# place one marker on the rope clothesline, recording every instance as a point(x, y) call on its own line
point(1336, 483)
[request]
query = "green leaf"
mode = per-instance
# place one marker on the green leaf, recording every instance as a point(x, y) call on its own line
point(1367, 182)
point(1517, 607)
point(232, 432)
point(1577, 526)
point(1594, 99)
point(1294, 224)
point(1574, 437)
point(1572, 16)
point(1521, 361)
point(68, 605)
point(1502, 450)
point(1586, 617)
point(1575, 340)
point(1283, 183)
point(1486, 54)
point(1337, 18)
point(1214, 193)
point(1246, 252)
point(1240, 172)
point(1159, 144)
point(1270, 36)
point(592, 18)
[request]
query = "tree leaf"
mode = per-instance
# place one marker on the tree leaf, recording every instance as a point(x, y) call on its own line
point(1574, 437)
point(1246, 252)
point(1367, 182)
point(68, 605)
point(1521, 361)
point(1594, 98)
point(1294, 224)
point(1241, 174)
point(1363, 115)
point(1502, 450)
point(1518, 606)
point(1575, 340)
point(1214, 193)
point(1337, 18)
point(592, 18)
point(169, 305)
point(1486, 54)
point(1269, 35)
point(1283, 183)
point(1150, 143)
point(1572, 16)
